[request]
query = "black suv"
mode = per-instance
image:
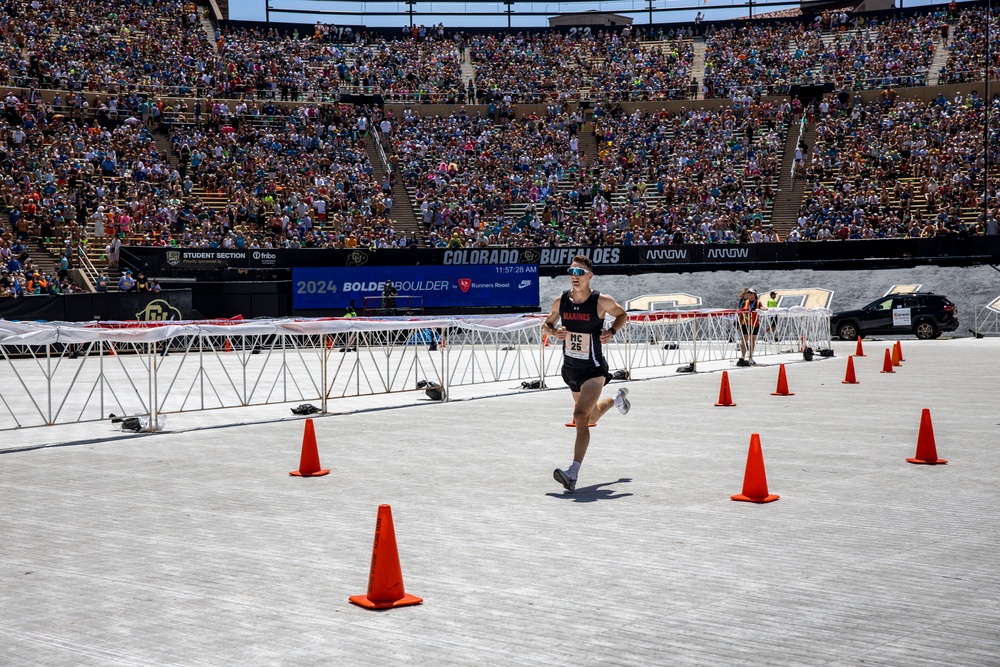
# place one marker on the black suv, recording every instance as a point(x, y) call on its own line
point(924, 314)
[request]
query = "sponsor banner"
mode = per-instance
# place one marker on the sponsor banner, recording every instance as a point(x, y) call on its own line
point(901, 317)
point(668, 255)
point(851, 255)
point(194, 258)
point(464, 286)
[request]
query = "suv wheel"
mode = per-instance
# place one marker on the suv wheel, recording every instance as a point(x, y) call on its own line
point(847, 331)
point(925, 330)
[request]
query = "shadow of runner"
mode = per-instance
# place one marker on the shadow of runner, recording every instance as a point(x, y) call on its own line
point(590, 494)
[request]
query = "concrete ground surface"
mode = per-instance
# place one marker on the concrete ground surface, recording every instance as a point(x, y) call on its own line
point(197, 547)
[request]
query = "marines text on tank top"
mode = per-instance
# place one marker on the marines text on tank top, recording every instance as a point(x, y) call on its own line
point(582, 348)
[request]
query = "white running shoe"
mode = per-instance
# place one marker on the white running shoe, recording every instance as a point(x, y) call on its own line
point(562, 476)
point(622, 402)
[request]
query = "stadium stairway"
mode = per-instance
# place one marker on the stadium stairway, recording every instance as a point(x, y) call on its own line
point(698, 63)
point(941, 53)
point(209, 29)
point(789, 194)
point(402, 215)
point(468, 73)
point(588, 143)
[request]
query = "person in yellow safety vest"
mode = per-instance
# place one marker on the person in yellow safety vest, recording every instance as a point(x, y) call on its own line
point(352, 337)
point(772, 323)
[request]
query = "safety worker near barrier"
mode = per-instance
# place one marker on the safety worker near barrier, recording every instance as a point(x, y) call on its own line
point(749, 323)
point(389, 294)
point(580, 313)
point(772, 323)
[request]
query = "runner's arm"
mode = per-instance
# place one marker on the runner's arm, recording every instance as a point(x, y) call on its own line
point(613, 308)
point(550, 327)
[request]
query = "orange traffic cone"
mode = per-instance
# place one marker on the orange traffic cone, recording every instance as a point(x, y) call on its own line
point(385, 578)
point(725, 395)
point(895, 355)
point(229, 348)
point(859, 351)
point(329, 342)
point(926, 449)
point(850, 378)
point(309, 461)
point(887, 364)
point(899, 346)
point(782, 389)
point(572, 424)
point(755, 479)
point(111, 349)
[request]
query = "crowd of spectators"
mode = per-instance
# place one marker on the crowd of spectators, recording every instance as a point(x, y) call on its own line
point(601, 65)
point(698, 176)
point(301, 179)
point(695, 176)
point(894, 168)
point(290, 177)
point(848, 51)
point(112, 46)
point(967, 48)
point(464, 170)
point(292, 67)
point(162, 48)
point(293, 171)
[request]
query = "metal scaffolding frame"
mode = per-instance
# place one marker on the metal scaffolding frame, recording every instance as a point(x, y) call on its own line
point(65, 373)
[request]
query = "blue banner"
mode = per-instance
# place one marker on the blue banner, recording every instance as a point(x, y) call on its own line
point(498, 285)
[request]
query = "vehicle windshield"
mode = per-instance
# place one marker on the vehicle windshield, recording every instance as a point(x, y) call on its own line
point(881, 304)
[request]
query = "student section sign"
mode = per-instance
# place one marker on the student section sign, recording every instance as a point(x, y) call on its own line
point(499, 285)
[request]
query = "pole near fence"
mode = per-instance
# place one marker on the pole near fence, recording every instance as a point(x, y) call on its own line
point(327, 346)
point(694, 345)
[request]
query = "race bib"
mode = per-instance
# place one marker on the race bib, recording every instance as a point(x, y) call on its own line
point(578, 346)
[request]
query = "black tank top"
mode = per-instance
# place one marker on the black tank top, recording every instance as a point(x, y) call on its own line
point(582, 349)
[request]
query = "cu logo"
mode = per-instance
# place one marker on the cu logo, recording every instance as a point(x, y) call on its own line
point(357, 258)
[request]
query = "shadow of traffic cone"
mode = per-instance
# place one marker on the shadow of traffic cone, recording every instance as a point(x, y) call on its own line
point(782, 389)
point(850, 378)
point(895, 355)
point(926, 449)
point(385, 578)
point(725, 395)
point(859, 351)
point(309, 460)
point(899, 347)
point(755, 479)
point(887, 364)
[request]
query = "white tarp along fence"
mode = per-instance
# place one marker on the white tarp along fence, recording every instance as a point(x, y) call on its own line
point(68, 373)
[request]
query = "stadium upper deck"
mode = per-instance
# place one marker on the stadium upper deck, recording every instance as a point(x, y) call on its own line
point(165, 48)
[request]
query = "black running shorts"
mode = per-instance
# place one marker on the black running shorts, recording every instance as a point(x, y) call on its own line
point(575, 377)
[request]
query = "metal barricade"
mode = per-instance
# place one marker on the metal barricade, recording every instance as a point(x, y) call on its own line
point(59, 374)
point(987, 321)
